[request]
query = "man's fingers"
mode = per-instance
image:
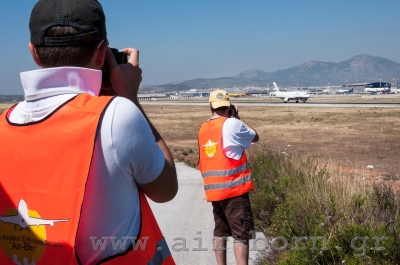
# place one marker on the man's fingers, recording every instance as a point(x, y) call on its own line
point(110, 58)
point(125, 78)
point(133, 55)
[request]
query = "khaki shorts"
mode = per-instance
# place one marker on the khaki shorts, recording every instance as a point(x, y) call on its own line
point(233, 217)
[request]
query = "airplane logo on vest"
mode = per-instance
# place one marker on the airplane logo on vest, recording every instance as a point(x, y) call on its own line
point(210, 148)
point(23, 235)
point(23, 219)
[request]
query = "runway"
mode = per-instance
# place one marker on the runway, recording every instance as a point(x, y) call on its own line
point(281, 104)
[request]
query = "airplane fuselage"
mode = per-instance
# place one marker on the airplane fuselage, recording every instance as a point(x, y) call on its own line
point(380, 89)
point(289, 95)
point(295, 95)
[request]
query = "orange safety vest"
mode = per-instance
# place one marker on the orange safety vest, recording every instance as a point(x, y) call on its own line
point(43, 173)
point(223, 177)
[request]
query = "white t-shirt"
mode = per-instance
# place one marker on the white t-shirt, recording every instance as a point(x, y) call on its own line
point(235, 137)
point(125, 151)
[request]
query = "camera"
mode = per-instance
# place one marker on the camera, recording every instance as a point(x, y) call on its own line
point(120, 57)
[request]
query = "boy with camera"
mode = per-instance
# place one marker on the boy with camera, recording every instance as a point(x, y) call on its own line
point(226, 174)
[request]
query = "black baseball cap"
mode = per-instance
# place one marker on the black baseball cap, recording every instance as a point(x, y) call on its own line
point(86, 16)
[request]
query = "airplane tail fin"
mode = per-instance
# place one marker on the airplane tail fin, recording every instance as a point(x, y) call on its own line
point(275, 86)
point(23, 208)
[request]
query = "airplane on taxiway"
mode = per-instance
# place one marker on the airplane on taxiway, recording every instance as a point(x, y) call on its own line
point(23, 219)
point(289, 95)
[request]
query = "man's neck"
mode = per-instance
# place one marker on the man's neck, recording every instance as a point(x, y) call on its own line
point(216, 114)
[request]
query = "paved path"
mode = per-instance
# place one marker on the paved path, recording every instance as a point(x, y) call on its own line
point(187, 222)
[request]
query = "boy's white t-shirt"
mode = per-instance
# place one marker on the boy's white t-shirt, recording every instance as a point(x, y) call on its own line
point(125, 152)
point(235, 136)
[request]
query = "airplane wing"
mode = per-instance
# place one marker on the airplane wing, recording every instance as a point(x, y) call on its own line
point(8, 219)
point(209, 143)
point(14, 219)
point(39, 221)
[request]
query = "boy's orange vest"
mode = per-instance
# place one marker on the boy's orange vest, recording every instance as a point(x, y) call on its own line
point(43, 173)
point(223, 177)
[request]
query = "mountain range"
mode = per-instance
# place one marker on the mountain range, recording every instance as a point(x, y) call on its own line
point(359, 69)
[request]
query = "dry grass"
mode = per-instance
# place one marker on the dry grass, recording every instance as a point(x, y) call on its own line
point(4, 106)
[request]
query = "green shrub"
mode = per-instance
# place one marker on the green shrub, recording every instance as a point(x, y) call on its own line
point(326, 218)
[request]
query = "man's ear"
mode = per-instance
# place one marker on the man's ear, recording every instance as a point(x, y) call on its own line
point(35, 57)
point(101, 55)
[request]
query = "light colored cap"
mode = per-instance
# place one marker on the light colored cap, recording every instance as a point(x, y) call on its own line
point(219, 98)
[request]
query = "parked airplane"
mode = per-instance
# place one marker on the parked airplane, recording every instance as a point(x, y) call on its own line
point(286, 96)
point(23, 219)
point(377, 87)
point(345, 91)
point(236, 95)
point(374, 90)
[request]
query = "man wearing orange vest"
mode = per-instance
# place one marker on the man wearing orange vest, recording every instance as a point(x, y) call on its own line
point(78, 165)
point(226, 175)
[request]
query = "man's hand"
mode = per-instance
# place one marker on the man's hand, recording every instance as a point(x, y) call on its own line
point(125, 78)
point(234, 112)
point(131, 70)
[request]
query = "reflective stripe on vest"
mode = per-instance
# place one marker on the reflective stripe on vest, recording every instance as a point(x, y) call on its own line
point(225, 173)
point(228, 184)
point(43, 178)
point(223, 177)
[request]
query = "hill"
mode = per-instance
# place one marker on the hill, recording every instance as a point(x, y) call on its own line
point(361, 68)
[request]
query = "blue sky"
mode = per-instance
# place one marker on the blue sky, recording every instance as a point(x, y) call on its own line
point(180, 40)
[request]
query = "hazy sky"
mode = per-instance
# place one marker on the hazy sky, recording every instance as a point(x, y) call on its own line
point(180, 40)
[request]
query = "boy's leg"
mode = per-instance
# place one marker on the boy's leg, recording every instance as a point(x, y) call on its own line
point(241, 250)
point(219, 244)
